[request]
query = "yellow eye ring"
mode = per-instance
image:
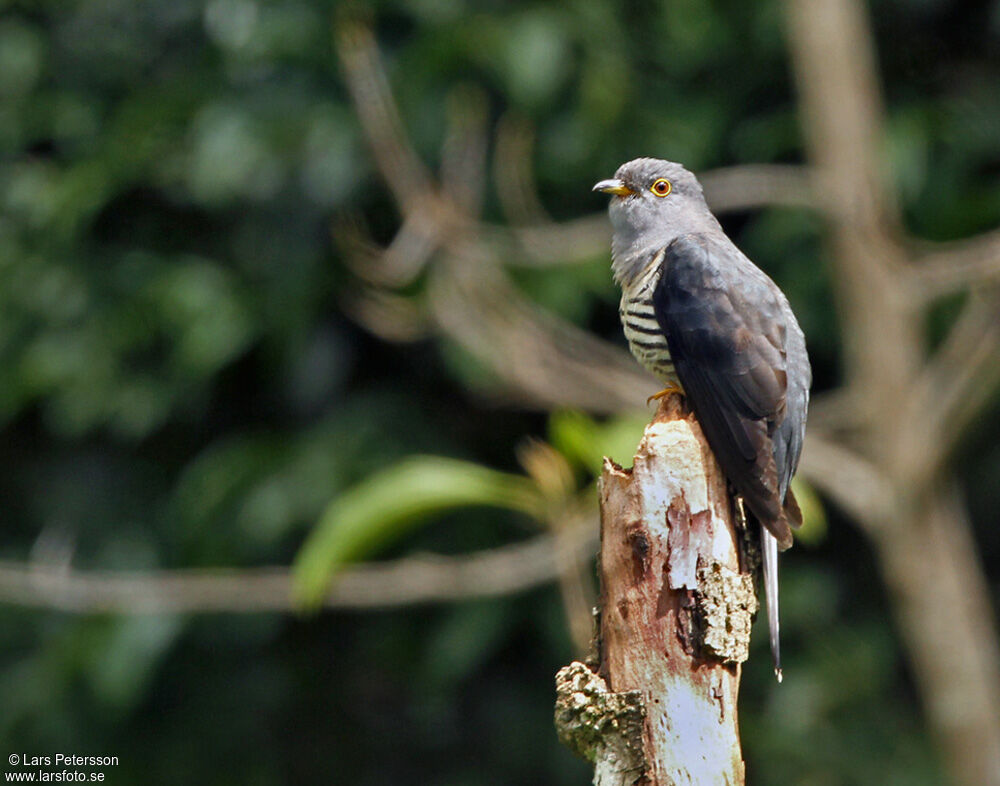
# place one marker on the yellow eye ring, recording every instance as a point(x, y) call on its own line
point(661, 187)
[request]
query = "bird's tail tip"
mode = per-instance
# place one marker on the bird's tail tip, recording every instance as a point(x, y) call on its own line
point(770, 554)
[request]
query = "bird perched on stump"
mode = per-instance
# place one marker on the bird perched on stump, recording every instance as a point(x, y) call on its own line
point(711, 325)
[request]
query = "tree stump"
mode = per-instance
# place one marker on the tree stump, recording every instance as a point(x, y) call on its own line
point(677, 602)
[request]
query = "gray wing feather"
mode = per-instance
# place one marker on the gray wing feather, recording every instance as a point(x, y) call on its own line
point(740, 355)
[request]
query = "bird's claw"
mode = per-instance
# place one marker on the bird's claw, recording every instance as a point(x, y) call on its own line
point(664, 393)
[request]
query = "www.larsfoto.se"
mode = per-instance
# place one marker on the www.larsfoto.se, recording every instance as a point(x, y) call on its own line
point(60, 776)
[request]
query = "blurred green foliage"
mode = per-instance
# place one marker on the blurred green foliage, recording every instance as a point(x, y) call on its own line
point(384, 506)
point(180, 387)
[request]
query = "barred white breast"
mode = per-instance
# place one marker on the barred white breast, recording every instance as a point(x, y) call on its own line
point(644, 334)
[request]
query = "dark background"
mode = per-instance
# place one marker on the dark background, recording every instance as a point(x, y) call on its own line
point(182, 384)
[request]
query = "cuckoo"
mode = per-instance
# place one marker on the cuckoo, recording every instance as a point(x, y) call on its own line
point(712, 326)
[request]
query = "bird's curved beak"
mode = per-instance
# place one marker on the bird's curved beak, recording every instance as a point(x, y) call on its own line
point(613, 186)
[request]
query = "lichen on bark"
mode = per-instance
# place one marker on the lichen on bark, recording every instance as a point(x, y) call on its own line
point(598, 724)
point(725, 604)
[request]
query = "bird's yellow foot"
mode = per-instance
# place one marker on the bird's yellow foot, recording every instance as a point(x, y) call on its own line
point(665, 392)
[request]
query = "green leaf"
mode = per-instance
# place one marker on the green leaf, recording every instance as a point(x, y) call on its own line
point(390, 503)
point(585, 442)
point(814, 527)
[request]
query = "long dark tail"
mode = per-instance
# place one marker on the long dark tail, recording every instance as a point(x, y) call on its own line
point(769, 548)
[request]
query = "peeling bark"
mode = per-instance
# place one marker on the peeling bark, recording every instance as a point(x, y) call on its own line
point(677, 601)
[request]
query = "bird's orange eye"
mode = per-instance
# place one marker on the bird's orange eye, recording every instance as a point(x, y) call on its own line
point(661, 187)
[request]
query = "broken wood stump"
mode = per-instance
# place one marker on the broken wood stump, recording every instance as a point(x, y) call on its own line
point(658, 706)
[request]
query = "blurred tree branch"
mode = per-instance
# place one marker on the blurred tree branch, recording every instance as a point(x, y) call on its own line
point(405, 582)
point(849, 479)
point(946, 267)
point(753, 186)
point(408, 179)
point(914, 408)
point(514, 174)
point(543, 359)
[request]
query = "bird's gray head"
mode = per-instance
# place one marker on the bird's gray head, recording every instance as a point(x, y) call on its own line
point(654, 201)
